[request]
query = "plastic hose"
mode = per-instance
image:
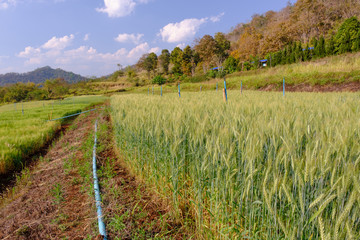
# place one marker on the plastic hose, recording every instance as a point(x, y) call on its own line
point(75, 114)
point(101, 223)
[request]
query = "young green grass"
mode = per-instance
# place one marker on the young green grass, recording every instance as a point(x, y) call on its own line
point(24, 128)
point(261, 166)
point(330, 70)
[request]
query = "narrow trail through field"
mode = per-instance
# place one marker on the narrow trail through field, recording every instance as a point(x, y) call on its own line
point(51, 204)
point(55, 200)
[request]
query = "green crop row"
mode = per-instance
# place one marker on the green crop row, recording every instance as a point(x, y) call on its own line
point(24, 128)
point(261, 166)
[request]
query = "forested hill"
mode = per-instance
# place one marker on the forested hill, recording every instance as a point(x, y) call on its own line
point(298, 22)
point(39, 75)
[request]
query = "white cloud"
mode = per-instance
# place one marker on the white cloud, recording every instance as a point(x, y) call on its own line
point(29, 51)
point(5, 4)
point(49, 50)
point(120, 8)
point(155, 50)
point(217, 18)
point(185, 30)
point(181, 45)
point(84, 59)
point(86, 37)
point(59, 43)
point(134, 38)
point(181, 31)
point(138, 51)
point(135, 53)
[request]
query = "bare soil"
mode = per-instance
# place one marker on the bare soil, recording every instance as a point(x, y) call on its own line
point(143, 214)
point(305, 87)
point(54, 201)
point(51, 206)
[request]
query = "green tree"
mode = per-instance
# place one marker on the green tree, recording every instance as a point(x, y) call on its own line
point(56, 87)
point(206, 47)
point(116, 75)
point(159, 80)
point(130, 73)
point(284, 56)
point(231, 64)
point(2, 94)
point(186, 63)
point(194, 62)
point(276, 59)
point(150, 63)
point(314, 42)
point(176, 60)
point(321, 52)
point(356, 44)
point(330, 46)
point(292, 52)
point(222, 48)
point(306, 53)
point(18, 92)
point(164, 60)
point(347, 36)
point(299, 52)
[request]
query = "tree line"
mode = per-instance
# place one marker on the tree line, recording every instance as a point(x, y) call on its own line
point(347, 39)
point(208, 52)
point(298, 22)
point(196, 63)
point(50, 89)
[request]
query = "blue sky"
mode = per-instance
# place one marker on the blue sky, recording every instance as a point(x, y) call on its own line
point(91, 37)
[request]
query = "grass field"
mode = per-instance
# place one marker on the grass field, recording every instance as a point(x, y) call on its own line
point(329, 70)
point(261, 166)
point(24, 128)
point(326, 71)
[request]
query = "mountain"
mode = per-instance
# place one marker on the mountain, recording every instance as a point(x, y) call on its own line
point(40, 75)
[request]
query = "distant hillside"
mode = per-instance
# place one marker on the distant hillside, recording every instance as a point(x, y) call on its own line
point(299, 22)
point(39, 75)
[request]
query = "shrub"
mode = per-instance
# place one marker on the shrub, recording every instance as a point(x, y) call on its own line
point(159, 80)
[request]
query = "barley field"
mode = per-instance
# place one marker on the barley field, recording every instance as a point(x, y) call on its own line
point(261, 166)
point(24, 128)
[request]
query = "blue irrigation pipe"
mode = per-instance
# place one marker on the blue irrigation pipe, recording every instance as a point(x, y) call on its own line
point(241, 87)
point(200, 88)
point(179, 90)
point(283, 86)
point(75, 114)
point(161, 90)
point(225, 89)
point(102, 229)
point(216, 86)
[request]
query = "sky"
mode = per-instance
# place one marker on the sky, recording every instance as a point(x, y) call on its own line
point(91, 37)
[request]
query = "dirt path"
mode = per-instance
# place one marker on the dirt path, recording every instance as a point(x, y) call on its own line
point(52, 204)
point(55, 199)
